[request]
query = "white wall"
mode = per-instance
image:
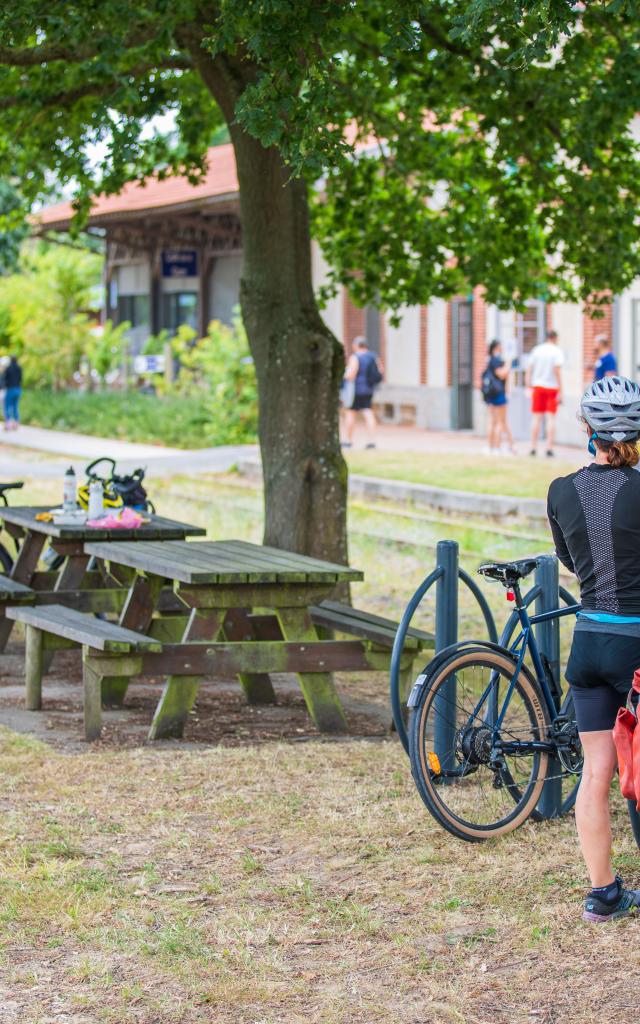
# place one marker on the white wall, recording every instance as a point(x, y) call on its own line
point(437, 344)
point(402, 362)
point(179, 284)
point(333, 312)
point(133, 279)
point(628, 309)
point(566, 319)
point(224, 288)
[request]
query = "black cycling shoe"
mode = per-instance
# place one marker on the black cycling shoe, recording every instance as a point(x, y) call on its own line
point(600, 911)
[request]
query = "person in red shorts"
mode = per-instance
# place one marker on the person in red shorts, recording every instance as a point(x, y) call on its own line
point(544, 377)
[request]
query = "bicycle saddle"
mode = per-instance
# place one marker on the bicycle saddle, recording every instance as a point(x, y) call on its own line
point(508, 573)
point(10, 487)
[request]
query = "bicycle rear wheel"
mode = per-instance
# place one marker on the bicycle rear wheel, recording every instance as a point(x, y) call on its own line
point(469, 791)
point(6, 561)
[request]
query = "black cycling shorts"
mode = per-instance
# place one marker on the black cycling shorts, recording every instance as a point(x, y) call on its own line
point(600, 671)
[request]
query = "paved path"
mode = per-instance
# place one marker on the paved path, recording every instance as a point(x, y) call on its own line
point(64, 448)
point(461, 442)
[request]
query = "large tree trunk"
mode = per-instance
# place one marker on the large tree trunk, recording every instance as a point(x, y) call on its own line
point(299, 363)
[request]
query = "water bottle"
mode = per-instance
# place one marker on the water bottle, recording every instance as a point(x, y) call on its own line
point(69, 493)
point(96, 500)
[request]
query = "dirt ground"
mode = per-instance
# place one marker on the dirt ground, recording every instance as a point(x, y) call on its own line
point(221, 716)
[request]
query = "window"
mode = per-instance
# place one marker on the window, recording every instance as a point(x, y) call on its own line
point(520, 333)
point(179, 308)
point(135, 309)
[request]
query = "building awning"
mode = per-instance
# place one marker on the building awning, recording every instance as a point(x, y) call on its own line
point(218, 188)
point(168, 213)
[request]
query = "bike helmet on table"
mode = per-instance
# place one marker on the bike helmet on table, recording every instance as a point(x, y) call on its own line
point(611, 407)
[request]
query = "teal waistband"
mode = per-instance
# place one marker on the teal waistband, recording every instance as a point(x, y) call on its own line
point(606, 617)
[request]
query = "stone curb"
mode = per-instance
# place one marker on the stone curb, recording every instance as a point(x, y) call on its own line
point(497, 506)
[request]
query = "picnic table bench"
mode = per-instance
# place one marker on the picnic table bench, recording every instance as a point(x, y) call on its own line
point(247, 610)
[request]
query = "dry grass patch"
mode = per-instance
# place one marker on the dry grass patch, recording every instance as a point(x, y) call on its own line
point(284, 884)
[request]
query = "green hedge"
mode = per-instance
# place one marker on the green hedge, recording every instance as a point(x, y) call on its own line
point(178, 422)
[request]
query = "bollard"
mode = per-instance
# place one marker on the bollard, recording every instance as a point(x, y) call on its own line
point(548, 637)
point(446, 634)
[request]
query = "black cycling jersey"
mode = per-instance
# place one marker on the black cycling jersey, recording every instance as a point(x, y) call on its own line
point(595, 521)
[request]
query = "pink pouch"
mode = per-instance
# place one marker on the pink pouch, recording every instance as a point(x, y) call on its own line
point(125, 520)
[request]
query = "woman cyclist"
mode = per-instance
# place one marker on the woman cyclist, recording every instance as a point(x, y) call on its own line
point(595, 519)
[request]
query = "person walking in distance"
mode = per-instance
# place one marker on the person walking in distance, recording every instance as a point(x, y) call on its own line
point(605, 364)
point(494, 392)
point(365, 370)
point(544, 378)
point(12, 381)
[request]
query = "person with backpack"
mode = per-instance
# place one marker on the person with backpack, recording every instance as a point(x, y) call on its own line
point(494, 392)
point(365, 370)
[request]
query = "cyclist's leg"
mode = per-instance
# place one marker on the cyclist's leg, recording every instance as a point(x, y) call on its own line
point(592, 805)
point(600, 671)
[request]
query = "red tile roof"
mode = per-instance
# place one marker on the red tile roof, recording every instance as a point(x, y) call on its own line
point(220, 180)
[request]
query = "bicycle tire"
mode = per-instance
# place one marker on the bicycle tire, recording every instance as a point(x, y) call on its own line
point(431, 790)
point(6, 561)
point(569, 800)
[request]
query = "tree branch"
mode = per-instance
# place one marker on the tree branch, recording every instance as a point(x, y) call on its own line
point(46, 53)
point(103, 88)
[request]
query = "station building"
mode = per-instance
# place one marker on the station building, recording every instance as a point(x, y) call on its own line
point(174, 256)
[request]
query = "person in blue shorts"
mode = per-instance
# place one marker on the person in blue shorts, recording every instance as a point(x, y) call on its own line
point(494, 392)
point(605, 364)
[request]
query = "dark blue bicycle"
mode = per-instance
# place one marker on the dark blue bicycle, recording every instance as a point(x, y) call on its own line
point(489, 726)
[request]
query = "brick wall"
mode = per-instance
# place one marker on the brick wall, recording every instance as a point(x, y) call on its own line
point(448, 346)
point(353, 322)
point(424, 356)
point(479, 328)
point(591, 328)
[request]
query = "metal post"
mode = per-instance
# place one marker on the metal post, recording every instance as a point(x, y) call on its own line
point(548, 637)
point(446, 634)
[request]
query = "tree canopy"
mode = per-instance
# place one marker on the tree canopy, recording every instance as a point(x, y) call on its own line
point(457, 143)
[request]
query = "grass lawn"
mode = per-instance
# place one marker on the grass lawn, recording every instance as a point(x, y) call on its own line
point(522, 476)
point(170, 420)
point(284, 884)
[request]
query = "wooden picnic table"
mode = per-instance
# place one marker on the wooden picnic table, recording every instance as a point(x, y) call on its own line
point(221, 586)
point(70, 542)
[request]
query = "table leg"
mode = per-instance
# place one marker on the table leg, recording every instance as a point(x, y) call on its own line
point(136, 614)
point(70, 577)
point(23, 570)
point(257, 686)
point(180, 692)
point(318, 688)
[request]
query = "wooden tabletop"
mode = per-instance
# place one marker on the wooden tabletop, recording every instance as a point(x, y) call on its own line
point(158, 528)
point(221, 561)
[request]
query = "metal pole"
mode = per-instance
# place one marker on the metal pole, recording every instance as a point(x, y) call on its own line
point(446, 634)
point(548, 637)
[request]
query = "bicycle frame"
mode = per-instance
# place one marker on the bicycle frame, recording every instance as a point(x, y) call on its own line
point(525, 641)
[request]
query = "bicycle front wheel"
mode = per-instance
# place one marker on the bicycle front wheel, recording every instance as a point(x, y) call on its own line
point(476, 778)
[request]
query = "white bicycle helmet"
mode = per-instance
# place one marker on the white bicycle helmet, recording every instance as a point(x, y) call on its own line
point(611, 407)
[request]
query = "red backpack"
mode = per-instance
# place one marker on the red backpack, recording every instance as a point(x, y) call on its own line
point(626, 736)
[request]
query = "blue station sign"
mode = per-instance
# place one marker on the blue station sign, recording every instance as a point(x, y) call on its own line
point(180, 263)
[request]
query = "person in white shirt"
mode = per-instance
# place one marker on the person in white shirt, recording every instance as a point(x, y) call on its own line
point(544, 377)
